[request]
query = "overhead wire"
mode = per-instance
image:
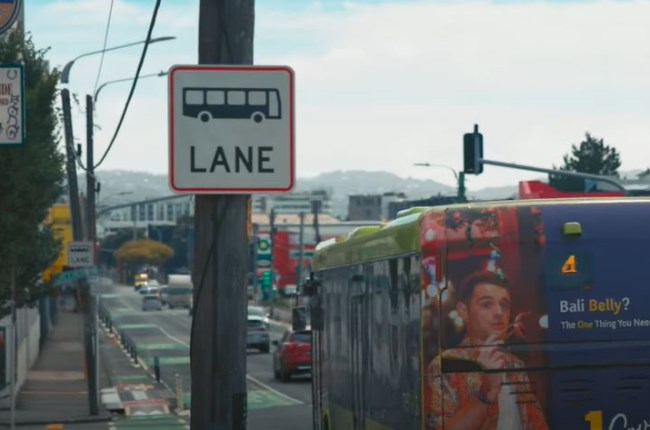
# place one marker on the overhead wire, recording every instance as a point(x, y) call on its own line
point(133, 85)
point(101, 61)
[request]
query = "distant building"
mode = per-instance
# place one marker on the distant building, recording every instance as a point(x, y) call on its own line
point(387, 199)
point(138, 216)
point(363, 207)
point(293, 203)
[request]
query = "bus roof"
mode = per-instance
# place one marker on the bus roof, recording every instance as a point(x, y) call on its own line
point(401, 236)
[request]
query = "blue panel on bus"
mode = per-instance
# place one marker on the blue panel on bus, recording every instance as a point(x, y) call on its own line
point(598, 337)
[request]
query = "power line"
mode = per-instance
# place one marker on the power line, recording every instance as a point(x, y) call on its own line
point(101, 61)
point(135, 81)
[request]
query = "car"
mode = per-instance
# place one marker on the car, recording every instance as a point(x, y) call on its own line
point(140, 280)
point(148, 290)
point(257, 335)
point(292, 354)
point(289, 291)
point(163, 294)
point(258, 311)
point(151, 302)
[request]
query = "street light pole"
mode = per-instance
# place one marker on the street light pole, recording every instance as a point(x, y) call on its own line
point(90, 332)
point(460, 177)
point(150, 75)
point(68, 134)
point(65, 73)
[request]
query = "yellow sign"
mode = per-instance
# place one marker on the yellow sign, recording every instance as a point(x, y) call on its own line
point(569, 265)
point(60, 223)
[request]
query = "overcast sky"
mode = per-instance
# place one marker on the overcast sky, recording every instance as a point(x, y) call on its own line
point(383, 84)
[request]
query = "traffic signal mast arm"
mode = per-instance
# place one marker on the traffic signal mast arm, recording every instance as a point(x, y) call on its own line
point(556, 172)
point(474, 161)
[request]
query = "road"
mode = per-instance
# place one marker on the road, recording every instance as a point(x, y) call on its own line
point(165, 335)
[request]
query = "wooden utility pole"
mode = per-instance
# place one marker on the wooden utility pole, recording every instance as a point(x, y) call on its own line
point(92, 345)
point(218, 343)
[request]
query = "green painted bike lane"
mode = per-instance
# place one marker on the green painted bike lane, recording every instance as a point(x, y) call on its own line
point(259, 395)
point(157, 422)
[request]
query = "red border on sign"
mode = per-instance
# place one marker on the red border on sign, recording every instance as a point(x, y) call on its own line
point(286, 69)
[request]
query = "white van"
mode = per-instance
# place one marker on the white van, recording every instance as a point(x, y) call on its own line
point(179, 291)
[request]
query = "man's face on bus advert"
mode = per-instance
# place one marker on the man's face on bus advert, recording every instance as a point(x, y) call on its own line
point(487, 312)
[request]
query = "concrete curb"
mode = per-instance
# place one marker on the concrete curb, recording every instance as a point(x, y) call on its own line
point(43, 422)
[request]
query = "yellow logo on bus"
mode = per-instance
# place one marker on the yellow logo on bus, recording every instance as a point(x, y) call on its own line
point(569, 265)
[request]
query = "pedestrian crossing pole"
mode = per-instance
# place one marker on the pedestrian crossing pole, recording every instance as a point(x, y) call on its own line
point(218, 341)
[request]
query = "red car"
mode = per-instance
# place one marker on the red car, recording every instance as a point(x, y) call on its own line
point(292, 354)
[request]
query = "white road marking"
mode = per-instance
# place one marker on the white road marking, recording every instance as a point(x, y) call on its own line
point(291, 399)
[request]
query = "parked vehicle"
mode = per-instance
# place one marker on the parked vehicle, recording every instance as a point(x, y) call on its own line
point(151, 303)
point(139, 280)
point(163, 294)
point(257, 336)
point(289, 291)
point(149, 290)
point(292, 354)
point(179, 290)
point(258, 311)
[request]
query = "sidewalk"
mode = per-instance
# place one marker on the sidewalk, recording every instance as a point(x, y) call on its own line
point(55, 390)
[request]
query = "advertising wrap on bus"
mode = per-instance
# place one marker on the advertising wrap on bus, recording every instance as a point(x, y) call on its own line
point(551, 295)
point(533, 315)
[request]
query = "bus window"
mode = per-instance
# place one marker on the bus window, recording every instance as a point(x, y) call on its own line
point(274, 104)
point(236, 98)
point(194, 97)
point(215, 97)
point(257, 98)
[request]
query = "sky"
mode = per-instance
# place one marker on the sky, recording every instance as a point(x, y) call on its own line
point(384, 84)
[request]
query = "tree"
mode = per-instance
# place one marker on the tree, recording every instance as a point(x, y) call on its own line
point(180, 243)
point(591, 156)
point(30, 176)
point(110, 244)
point(143, 252)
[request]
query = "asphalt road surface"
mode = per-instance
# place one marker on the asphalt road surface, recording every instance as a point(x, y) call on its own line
point(165, 335)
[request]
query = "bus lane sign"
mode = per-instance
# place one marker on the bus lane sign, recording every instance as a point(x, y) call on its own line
point(231, 129)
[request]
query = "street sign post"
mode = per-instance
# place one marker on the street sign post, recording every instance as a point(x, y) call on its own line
point(263, 250)
point(231, 129)
point(80, 254)
point(10, 11)
point(12, 105)
point(71, 277)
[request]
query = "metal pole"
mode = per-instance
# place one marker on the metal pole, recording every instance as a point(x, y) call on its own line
point(301, 258)
point(272, 236)
point(253, 265)
point(14, 352)
point(134, 213)
point(71, 166)
point(461, 187)
point(180, 404)
point(316, 206)
point(556, 172)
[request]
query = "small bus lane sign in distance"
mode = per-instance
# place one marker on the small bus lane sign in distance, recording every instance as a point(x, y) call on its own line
point(80, 254)
point(231, 129)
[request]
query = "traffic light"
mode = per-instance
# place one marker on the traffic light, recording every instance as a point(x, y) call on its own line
point(473, 152)
point(265, 280)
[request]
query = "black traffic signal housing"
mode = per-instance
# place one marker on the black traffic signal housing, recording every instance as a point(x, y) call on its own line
point(473, 152)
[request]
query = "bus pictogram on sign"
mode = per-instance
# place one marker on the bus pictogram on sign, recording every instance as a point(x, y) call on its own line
point(256, 104)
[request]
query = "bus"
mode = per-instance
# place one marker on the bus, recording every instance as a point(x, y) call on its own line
point(257, 104)
point(526, 315)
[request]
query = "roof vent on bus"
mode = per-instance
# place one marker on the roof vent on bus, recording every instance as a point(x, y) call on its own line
point(411, 211)
point(362, 231)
